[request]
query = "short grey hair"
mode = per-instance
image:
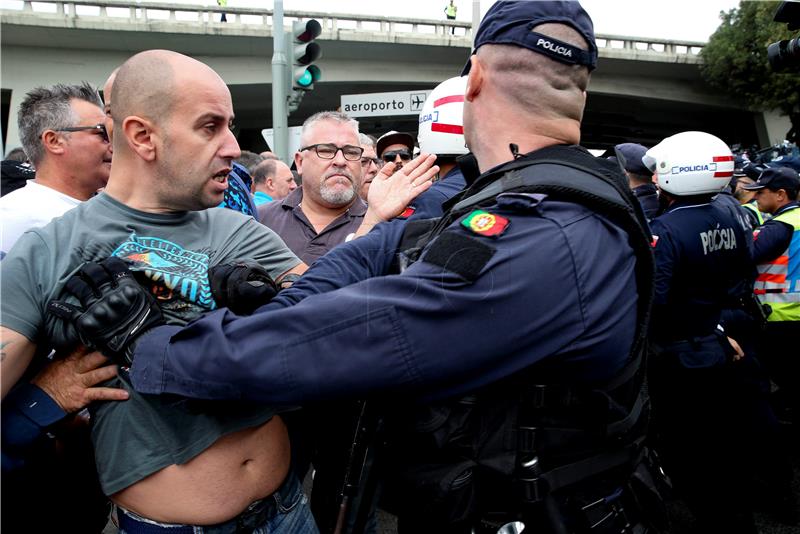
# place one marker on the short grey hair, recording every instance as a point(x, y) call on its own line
point(366, 140)
point(49, 108)
point(333, 116)
point(262, 171)
point(249, 160)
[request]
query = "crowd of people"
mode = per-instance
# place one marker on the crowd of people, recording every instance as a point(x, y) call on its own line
point(477, 328)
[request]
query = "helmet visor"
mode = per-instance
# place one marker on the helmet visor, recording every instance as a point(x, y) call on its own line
point(649, 162)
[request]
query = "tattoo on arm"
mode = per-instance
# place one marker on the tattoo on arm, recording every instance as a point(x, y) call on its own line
point(3, 346)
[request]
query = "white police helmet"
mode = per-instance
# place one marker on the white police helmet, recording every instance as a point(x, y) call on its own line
point(691, 163)
point(441, 122)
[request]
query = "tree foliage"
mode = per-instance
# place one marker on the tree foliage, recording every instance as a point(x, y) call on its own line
point(735, 59)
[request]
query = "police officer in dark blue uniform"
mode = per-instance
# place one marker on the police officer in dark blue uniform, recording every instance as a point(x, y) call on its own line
point(703, 262)
point(639, 177)
point(509, 332)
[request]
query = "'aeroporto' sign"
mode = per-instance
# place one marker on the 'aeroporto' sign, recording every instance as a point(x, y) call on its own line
point(384, 104)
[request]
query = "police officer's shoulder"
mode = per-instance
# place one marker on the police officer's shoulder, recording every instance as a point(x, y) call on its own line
point(665, 224)
point(473, 238)
point(773, 222)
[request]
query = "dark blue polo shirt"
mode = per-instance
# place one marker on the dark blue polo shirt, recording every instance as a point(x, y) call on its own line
point(286, 219)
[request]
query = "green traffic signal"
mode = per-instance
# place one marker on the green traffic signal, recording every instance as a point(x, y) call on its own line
point(311, 74)
point(305, 79)
point(304, 53)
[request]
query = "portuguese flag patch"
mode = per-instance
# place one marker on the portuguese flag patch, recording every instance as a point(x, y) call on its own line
point(408, 212)
point(485, 223)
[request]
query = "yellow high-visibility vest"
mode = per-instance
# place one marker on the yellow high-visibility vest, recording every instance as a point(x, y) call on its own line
point(778, 281)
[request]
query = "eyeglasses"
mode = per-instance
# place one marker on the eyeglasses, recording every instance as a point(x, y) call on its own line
point(376, 161)
point(100, 128)
point(329, 150)
point(388, 157)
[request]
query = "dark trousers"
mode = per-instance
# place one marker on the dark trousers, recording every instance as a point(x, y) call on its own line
point(58, 490)
point(698, 429)
point(323, 436)
point(778, 348)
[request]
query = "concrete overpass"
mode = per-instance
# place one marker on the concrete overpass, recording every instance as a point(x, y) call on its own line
point(643, 89)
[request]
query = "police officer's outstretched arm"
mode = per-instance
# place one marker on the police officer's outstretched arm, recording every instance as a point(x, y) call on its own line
point(371, 255)
point(479, 305)
point(473, 309)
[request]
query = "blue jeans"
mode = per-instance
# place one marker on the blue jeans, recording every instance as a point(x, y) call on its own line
point(287, 513)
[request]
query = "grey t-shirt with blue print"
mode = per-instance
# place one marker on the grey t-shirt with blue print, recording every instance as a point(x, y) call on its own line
point(170, 254)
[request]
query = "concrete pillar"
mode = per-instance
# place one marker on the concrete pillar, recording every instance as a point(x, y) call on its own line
point(12, 133)
point(771, 127)
point(476, 19)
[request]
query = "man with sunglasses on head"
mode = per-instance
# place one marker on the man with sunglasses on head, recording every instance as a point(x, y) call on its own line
point(395, 147)
point(63, 133)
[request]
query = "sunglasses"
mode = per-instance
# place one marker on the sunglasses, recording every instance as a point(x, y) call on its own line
point(100, 128)
point(388, 157)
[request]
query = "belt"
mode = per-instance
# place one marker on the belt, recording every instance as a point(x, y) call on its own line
point(255, 515)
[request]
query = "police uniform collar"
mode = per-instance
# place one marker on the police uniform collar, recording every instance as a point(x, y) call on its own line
point(690, 200)
point(469, 167)
point(476, 184)
point(786, 207)
point(495, 172)
point(645, 189)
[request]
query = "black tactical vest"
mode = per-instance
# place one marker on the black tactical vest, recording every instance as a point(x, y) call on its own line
point(557, 456)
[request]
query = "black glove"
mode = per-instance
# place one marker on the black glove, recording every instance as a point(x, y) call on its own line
point(115, 310)
point(241, 286)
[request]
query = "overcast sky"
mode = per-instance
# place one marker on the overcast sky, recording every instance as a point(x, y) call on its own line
point(692, 20)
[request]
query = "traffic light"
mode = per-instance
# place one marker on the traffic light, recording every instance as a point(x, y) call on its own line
point(304, 53)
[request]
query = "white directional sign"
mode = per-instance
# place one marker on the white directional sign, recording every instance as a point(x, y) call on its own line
point(384, 104)
point(294, 140)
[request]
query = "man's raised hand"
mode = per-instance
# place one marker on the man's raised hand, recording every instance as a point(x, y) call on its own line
point(391, 192)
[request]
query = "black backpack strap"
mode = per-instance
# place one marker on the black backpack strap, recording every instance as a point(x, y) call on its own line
point(550, 175)
point(574, 181)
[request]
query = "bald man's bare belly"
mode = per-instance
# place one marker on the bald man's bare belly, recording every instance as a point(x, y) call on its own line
point(218, 484)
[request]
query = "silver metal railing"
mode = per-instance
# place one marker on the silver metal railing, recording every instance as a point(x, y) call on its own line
point(334, 25)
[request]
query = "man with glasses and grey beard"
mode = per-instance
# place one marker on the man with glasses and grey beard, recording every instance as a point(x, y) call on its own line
point(326, 210)
point(63, 133)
